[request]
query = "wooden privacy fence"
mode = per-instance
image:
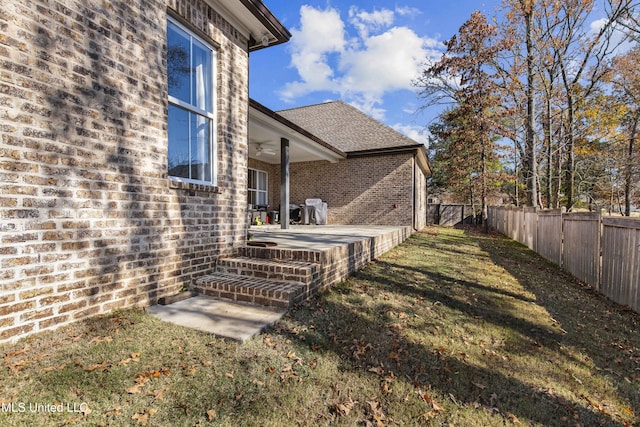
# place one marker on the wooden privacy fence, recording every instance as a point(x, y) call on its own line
point(449, 215)
point(603, 252)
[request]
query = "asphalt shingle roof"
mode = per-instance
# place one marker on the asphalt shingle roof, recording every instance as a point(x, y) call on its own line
point(345, 127)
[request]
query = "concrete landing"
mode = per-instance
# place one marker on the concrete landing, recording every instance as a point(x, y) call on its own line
point(223, 318)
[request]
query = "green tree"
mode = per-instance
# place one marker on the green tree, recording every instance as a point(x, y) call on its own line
point(470, 128)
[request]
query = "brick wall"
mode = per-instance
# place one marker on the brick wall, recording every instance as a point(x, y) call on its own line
point(89, 221)
point(376, 190)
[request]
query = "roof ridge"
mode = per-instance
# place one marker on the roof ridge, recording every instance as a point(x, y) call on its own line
point(312, 105)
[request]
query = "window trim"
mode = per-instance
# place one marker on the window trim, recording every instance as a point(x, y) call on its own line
point(213, 139)
point(257, 191)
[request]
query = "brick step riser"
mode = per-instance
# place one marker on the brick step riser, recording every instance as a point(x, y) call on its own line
point(289, 274)
point(270, 296)
point(282, 254)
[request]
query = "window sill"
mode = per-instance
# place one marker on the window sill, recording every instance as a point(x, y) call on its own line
point(190, 186)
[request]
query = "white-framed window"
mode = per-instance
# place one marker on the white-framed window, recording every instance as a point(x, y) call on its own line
point(191, 120)
point(258, 187)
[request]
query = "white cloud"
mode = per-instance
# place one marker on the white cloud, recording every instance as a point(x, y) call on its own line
point(366, 22)
point(321, 33)
point(417, 133)
point(408, 11)
point(360, 66)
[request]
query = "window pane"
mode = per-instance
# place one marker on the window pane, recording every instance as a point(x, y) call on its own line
point(178, 130)
point(202, 76)
point(262, 198)
point(200, 152)
point(252, 198)
point(262, 181)
point(178, 63)
point(252, 179)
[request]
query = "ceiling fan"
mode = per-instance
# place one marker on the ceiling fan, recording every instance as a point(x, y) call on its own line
point(261, 149)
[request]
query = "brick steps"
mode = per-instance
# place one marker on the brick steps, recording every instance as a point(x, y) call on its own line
point(253, 290)
point(282, 277)
point(281, 270)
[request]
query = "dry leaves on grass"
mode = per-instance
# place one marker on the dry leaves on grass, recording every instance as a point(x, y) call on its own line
point(134, 357)
point(143, 378)
point(100, 367)
point(345, 406)
point(436, 409)
point(16, 365)
point(97, 340)
point(377, 413)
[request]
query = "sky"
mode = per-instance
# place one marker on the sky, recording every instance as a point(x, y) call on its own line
point(363, 53)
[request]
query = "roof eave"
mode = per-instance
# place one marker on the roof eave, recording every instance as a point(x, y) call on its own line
point(279, 32)
point(272, 115)
point(255, 21)
point(419, 149)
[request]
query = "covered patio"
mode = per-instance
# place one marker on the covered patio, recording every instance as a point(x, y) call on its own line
point(275, 143)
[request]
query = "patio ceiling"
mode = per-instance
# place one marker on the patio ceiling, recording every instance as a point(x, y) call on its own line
point(266, 130)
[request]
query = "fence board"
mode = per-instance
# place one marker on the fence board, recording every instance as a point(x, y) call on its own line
point(621, 261)
point(549, 241)
point(530, 228)
point(581, 249)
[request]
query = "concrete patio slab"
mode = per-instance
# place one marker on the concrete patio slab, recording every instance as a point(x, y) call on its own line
point(319, 237)
point(223, 318)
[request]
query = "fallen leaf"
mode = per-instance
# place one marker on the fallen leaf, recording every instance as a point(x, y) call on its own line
point(378, 414)
point(19, 365)
point(513, 418)
point(158, 394)
point(229, 374)
point(98, 367)
point(344, 407)
point(142, 418)
point(16, 352)
point(480, 386)
point(378, 370)
point(97, 340)
point(152, 412)
point(134, 389)
point(211, 414)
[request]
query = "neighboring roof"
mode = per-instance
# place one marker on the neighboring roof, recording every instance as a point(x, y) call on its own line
point(347, 128)
point(256, 21)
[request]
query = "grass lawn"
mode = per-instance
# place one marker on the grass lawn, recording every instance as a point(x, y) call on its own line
point(450, 328)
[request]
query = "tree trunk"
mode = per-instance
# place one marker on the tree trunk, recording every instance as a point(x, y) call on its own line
point(485, 219)
point(571, 161)
point(531, 171)
point(547, 141)
point(629, 168)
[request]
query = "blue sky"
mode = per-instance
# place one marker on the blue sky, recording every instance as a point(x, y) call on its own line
point(364, 53)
